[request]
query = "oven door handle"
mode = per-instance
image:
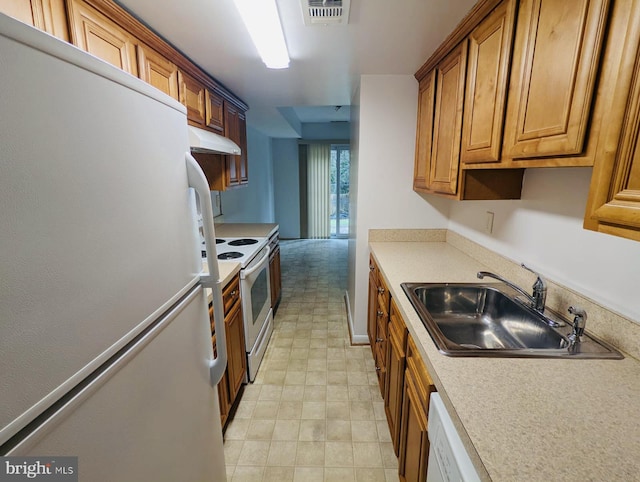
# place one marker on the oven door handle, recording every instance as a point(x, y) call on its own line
point(247, 272)
point(198, 181)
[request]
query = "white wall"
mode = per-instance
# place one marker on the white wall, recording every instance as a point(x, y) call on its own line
point(255, 202)
point(544, 229)
point(286, 182)
point(383, 131)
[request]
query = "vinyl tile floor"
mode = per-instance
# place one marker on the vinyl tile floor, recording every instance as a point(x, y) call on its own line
point(314, 412)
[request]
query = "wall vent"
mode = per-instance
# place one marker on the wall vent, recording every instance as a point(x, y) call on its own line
point(325, 12)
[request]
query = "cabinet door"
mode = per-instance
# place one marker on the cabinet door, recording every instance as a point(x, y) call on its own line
point(244, 157)
point(555, 65)
point(486, 91)
point(192, 95)
point(381, 349)
point(414, 443)
point(373, 303)
point(275, 275)
point(47, 15)
point(223, 385)
point(100, 36)
point(237, 360)
point(214, 111)
point(154, 69)
point(614, 198)
point(394, 388)
point(232, 131)
point(231, 295)
point(424, 133)
point(450, 77)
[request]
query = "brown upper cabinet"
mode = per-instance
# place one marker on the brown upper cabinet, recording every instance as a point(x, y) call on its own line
point(158, 71)
point(192, 96)
point(205, 108)
point(424, 133)
point(224, 171)
point(47, 15)
point(214, 111)
point(613, 206)
point(243, 162)
point(235, 128)
point(486, 87)
point(100, 36)
point(555, 66)
point(461, 109)
point(537, 87)
point(447, 123)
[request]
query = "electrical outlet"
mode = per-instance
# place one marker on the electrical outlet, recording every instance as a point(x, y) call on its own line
point(488, 222)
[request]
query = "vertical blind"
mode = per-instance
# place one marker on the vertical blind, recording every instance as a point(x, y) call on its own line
point(318, 161)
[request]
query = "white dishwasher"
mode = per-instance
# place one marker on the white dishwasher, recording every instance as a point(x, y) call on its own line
point(448, 459)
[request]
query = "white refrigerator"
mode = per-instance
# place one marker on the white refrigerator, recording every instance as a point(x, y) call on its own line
point(105, 341)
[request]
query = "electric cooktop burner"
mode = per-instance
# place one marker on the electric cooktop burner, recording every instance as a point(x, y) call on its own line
point(220, 241)
point(243, 242)
point(230, 255)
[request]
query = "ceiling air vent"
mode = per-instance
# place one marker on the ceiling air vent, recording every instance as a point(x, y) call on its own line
point(326, 12)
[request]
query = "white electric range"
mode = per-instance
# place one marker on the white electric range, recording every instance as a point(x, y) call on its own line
point(255, 291)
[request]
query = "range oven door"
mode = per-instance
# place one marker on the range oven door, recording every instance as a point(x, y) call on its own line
point(256, 297)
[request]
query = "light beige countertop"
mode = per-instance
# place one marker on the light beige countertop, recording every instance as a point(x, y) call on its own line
point(240, 230)
point(228, 269)
point(523, 419)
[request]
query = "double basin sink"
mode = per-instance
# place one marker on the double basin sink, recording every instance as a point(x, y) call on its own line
point(469, 319)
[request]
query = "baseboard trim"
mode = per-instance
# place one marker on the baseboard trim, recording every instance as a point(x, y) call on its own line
point(355, 339)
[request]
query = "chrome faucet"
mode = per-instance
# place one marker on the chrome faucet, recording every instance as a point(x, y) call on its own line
point(579, 323)
point(539, 297)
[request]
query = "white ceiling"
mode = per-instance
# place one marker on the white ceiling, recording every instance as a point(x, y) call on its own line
point(382, 37)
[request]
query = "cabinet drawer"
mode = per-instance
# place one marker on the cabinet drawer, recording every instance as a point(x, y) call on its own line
point(397, 327)
point(373, 271)
point(419, 374)
point(231, 294)
point(383, 295)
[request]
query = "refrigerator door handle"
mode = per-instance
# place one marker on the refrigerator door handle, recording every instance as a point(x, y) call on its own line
point(198, 181)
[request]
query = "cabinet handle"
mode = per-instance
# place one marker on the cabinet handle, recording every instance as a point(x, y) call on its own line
point(380, 313)
point(234, 293)
point(381, 290)
point(378, 369)
point(378, 340)
point(371, 268)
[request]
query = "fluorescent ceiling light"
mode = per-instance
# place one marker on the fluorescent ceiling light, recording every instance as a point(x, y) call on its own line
point(263, 23)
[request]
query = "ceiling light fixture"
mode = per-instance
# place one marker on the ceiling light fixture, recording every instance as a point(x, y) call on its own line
point(263, 23)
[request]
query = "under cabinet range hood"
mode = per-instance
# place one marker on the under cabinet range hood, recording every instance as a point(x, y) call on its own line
point(209, 142)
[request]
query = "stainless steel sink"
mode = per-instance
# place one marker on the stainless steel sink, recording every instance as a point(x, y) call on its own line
point(490, 320)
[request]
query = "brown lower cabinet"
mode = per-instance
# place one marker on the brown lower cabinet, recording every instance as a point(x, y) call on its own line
point(394, 383)
point(378, 319)
point(414, 440)
point(234, 376)
point(275, 275)
point(405, 382)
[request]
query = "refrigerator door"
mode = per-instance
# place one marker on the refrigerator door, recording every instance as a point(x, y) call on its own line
point(148, 414)
point(97, 235)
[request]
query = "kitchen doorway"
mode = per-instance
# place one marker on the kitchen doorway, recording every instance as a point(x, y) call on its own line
point(339, 190)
